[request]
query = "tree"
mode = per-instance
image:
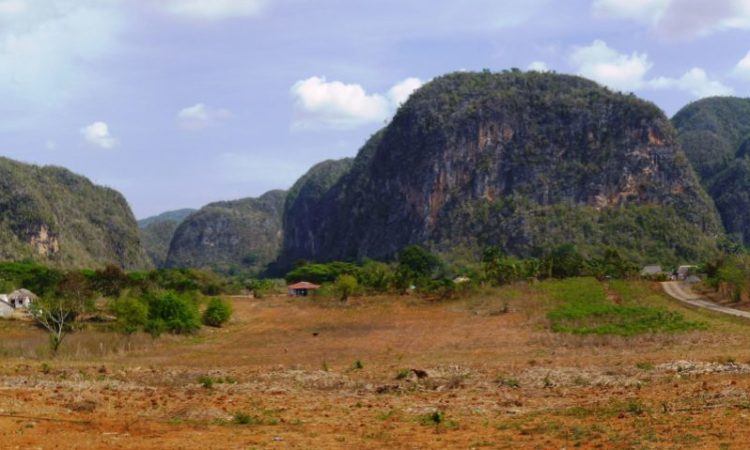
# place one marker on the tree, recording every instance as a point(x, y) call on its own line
point(75, 285)
point(500, 269)
point(131, 313)
point(173, 312)
point(376, 276)
point(416, 265)
point(56, 314)
point(565, 261)
point(345, 285)
point(217, 313)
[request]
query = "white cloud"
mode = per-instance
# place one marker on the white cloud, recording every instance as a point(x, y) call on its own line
point(679, 18)
point(605, 65)
point(538, 66)
point(625, 72)
point(401, 92)
point(215, 9)
point(201, 116)
point(98, 134)
point(695, 82)
point(322, 104)
point(742, 69)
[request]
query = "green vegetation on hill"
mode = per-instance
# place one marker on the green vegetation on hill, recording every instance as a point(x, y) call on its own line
point(50, 215)
point(715, 134)
point(712, 130)
point(302, 200)
point(230, 237)
point(157, 232)
point(156, 238)
point(522, 161)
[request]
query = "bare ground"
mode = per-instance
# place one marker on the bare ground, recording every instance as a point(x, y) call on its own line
point(288, 370)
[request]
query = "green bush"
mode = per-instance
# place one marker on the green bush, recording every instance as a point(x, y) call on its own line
point(345, 285)
point(132, 314)
point(321, 273)
point(177, 312)
point(217, 313)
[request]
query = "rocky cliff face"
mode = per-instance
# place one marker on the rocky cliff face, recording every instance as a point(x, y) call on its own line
point(157, 232)
point(715, 133)
point(520, 160)
point(53, 216)
point(240, 235)
point(301, 203)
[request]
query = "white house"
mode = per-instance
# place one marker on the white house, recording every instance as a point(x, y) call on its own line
point(6, 310)
point(21, 298)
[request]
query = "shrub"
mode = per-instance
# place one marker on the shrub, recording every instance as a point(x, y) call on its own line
point(132, 314)
point(178, 313)
point(206, 381)
point(321, 273)
point(243, 418)
point(376, 276)
point(346, 285)
point(217, 313)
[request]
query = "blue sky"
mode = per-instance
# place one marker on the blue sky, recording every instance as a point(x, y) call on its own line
point(177, 103)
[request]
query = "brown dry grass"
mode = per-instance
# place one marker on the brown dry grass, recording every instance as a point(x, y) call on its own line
point(500, 380)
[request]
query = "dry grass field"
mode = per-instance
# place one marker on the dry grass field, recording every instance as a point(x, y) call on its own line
point(383, 372)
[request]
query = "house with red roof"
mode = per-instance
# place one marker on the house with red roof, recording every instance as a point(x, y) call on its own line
point(301, 289)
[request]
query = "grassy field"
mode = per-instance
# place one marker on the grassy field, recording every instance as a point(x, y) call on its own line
point(574, 363)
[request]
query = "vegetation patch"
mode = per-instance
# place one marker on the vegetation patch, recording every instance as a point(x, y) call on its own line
point(585, 309)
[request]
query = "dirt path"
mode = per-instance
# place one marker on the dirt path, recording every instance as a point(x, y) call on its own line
point(683, 293)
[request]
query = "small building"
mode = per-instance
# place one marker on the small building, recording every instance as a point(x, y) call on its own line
point(683, 272)
point(21, 298)
point(652, 271)
point(301, 289)
point(6, 310)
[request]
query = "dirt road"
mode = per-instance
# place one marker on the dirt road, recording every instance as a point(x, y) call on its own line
point(683, 293)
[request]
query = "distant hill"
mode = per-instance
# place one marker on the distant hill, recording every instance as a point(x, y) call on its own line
point(157, 232)
point(715, 133)
point(241, 235)
point(177, 215)
point(51, 215)
point(712, 131)
point(523, 161)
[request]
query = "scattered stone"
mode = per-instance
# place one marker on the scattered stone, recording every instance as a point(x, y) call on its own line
point(87, 406)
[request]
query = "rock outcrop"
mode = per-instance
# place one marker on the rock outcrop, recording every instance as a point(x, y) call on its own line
point(518, 160)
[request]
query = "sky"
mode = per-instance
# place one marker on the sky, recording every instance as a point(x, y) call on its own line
point(178, 103)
